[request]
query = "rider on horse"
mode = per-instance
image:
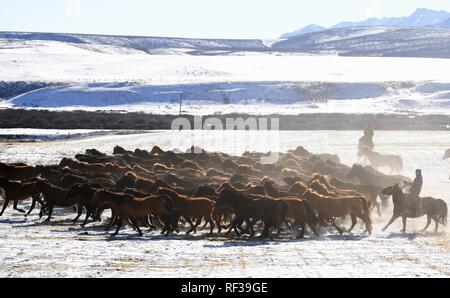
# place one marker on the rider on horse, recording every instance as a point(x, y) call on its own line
point(414, 192)
point(366, 141)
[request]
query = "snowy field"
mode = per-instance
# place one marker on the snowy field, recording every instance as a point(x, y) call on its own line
point(111, 77)
point(30, 248)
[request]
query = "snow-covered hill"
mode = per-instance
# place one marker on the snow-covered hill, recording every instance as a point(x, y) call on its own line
point(108, 73)
point(140, 43)
point(373, 41)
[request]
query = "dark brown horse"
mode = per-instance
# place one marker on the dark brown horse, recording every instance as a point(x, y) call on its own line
point(271, 212)
point(55, 196)
point(329, 209)
point(18, 172)
point(191, 208)
point(131, 208)
point(434, 209)
point(371, 191)
point(16, 192)
point(84, 192)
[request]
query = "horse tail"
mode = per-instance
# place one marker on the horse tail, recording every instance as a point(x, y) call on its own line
point(444, 213)
point(311, 217)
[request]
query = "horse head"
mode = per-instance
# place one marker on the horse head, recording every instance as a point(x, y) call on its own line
point(394, 191)
point(388, 191)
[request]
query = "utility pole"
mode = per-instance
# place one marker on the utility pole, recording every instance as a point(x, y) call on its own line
point(181, 103)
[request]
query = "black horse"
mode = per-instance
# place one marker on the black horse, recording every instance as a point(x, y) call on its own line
point(434, 209)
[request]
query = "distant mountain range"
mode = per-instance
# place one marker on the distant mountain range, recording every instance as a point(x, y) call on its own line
point(426, 33)
point(422, 17)
point(369, 41)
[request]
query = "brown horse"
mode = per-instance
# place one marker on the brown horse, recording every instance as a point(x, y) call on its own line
point(16, 191)
point(192, 208)
point(85, 192)
point(329, 209)
point(132, 208)
point(298, 189)
point(18, 172)
point(55, 196)
point(84, 166)
point(369, 176)
point(299, 211)
point(273, 192)
point(271, 212)
point(322, 185)
point(370, 191)
point(434, 209)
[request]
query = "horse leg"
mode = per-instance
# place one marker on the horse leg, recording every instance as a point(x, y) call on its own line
point(354, 221)
point(192, 228)
point(88, 212)
point(333, 223)
point(113, 219)
point(265, 232)
point(394, 217)
point(33, 204)
point(50, 212)
point(378, 206)
point(404, 224)
point(233, 223)
point(80, 212)
point(4, 206)
point(436, 220)
point(16, 208)
point(302, 233)
point(249, 226)
point(320, 223)
point(199, 221)
point(236, 227)
point(135, 224)
point(218, 220)
point(368, 222)
point(428, 223)
point(204, 226)
point(211, 222)
point(119, 225)
point(41, 212)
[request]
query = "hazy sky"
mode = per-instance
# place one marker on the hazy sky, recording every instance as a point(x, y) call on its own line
point(195, 18)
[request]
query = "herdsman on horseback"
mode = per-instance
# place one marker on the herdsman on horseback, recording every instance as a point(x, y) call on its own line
point(415, 188)
point(366, 141)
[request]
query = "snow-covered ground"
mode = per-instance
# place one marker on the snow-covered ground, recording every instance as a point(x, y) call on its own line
point(31, 248)
point(112, 77)
point(33, 135)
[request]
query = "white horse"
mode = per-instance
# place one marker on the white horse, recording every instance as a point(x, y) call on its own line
point(378, 160)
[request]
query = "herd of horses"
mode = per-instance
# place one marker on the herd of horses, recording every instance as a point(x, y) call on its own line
point(170, 190)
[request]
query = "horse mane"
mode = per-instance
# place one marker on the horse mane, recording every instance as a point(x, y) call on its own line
point(190, 165)
point(170, 192)
point(161, 166)
point(319, 187)
point(318, 195)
